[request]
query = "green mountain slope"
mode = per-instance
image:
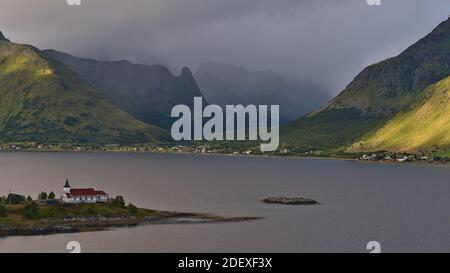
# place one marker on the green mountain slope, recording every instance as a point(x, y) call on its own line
point(375, 95)
point(42, 100)
point(426, 125)
point(148, 92)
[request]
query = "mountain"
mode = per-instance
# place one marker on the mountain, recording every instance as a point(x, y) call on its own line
point(148, 92)
point(376, 95)
point(424, 126)
point(223, 84)
point(42, 100)
point(3, 38)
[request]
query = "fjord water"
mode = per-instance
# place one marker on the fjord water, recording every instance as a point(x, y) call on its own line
point(405, 207)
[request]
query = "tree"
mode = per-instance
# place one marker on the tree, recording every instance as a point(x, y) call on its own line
point(42, 196)
point(132, 209)
point(30, 211)
point(118, 202)
point(29, 199)
point(14, 199)
point(51, 196)
point(3, 211)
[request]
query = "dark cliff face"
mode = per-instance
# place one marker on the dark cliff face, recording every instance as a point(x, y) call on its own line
point(3, 38)
point(146, 92)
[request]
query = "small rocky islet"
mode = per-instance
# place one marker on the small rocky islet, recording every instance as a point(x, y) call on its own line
point(290, 201)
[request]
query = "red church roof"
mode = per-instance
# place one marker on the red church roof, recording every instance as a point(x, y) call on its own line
point(83, 192)
point(100, 193)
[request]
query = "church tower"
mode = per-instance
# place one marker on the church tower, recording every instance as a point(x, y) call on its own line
point(67, 186)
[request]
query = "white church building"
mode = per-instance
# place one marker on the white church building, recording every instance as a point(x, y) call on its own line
point(80, 196)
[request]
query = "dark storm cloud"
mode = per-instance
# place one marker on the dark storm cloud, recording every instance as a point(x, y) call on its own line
point(325, 41)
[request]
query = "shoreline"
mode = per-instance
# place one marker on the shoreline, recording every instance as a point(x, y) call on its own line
point(96, 223)
point(350, 160)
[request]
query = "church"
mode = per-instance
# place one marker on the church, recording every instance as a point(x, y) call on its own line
point(81, 196)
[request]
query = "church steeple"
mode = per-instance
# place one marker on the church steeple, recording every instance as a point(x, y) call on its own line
point(67, 186)
point(67, 183)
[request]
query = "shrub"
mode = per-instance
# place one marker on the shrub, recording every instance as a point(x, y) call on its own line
point(132, 209)
point(3, 211)
point(30, 211)
point(51, 196)
point(42, 196)
point(119, 202)
point(15, 199)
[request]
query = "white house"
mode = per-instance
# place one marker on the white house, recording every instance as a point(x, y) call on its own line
point(79, 196)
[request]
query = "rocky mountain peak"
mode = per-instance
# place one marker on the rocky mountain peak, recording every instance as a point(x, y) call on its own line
point(3, 38)
point(185, 71)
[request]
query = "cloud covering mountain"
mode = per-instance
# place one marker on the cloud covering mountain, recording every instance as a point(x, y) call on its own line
point(321, 41)
point(224, 84)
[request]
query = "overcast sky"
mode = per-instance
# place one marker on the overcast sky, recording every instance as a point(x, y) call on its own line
point(324, 41)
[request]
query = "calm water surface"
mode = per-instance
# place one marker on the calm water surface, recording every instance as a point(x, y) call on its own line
point(404, 207)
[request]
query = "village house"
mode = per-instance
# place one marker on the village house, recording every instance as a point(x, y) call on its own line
point(79, 196)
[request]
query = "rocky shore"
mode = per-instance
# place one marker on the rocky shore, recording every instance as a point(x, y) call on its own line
point(97, 223)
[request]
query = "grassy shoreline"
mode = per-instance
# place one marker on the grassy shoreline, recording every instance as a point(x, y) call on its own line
point(325, 155)
point(64, 218)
